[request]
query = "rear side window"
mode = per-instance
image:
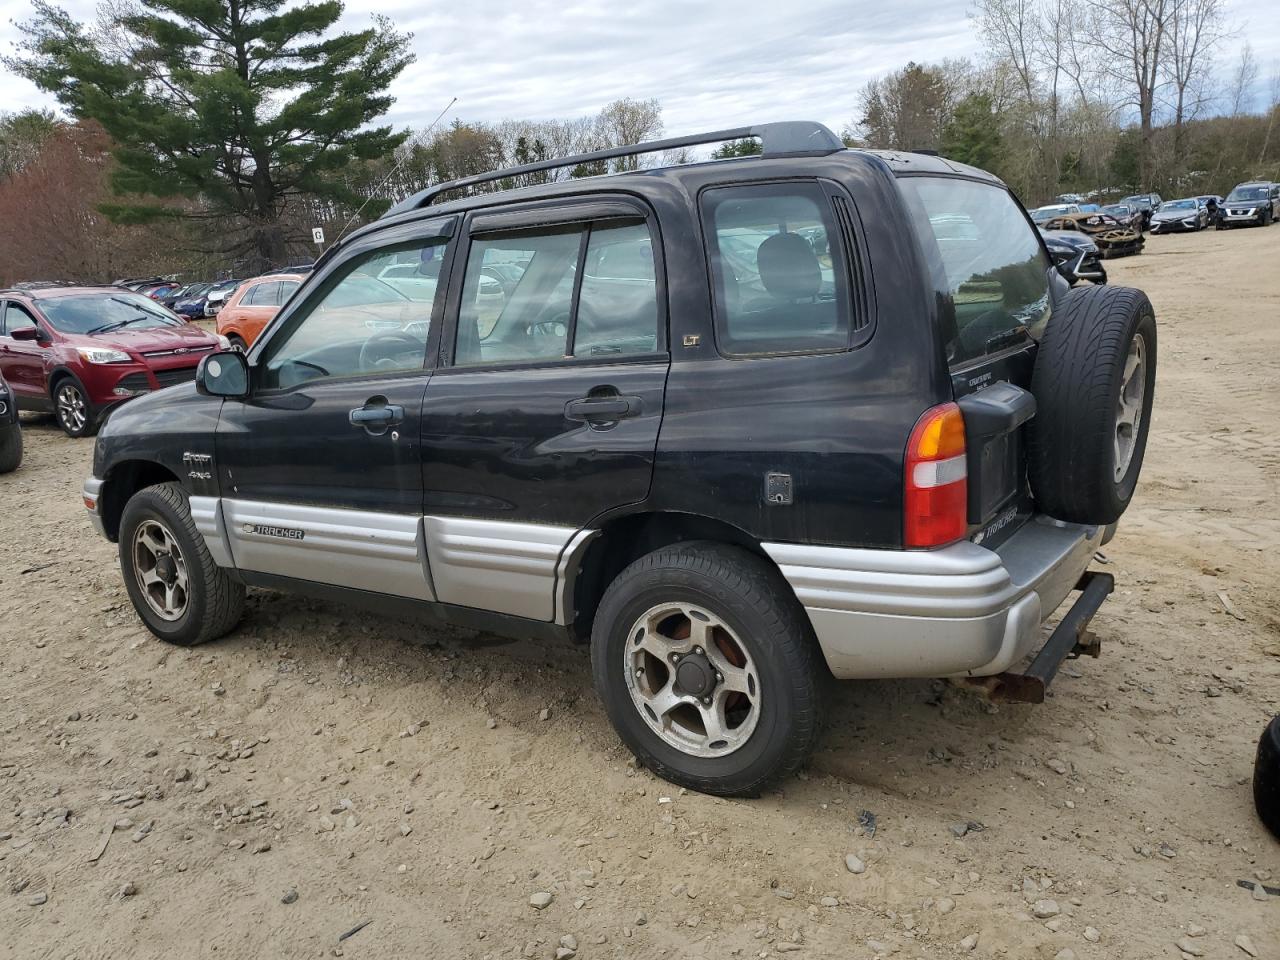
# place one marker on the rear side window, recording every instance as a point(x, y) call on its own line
point(260, 295)
point(986, 258)
point(778, 288)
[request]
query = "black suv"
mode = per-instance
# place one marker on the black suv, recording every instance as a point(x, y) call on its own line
point(740, 425)
point(10, 430)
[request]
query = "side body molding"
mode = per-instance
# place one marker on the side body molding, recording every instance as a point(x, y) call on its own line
point(496, 565)
point(522, 569)
point(377, 552)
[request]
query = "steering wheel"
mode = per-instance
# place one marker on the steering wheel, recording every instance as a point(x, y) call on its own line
point(553, 323)
point(369, 358)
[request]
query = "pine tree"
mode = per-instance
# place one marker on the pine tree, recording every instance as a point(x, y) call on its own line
point(973, 135)
point(241, 105)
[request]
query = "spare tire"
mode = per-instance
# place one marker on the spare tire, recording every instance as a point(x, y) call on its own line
point(1094, 381)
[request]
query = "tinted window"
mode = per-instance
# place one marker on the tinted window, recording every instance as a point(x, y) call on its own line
point(15, 318)
point(988, 259)
point(262, 295)
point(359, 324)
point(517, 297)
point(618, 307)
point(777, 288)
point(101, 312)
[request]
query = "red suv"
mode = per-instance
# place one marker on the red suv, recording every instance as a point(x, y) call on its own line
point(78, 351)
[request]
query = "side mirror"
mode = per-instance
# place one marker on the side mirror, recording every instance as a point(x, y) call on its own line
point(27, 333)
point(223, 374)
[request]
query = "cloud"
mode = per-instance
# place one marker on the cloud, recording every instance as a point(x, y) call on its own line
point(711, 64)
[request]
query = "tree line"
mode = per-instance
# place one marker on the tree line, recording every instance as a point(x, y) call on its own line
point(1134, 95)
point(206, 137)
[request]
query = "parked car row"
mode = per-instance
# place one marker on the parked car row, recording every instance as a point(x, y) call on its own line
point(1255, 203)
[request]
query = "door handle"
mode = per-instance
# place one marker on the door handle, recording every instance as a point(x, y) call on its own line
point(383, 415)
point(602, 409)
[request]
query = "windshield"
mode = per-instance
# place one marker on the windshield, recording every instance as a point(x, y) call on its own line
point(1179, 205)
point(101, 312)
point(1118, 210)
point(1248, 193)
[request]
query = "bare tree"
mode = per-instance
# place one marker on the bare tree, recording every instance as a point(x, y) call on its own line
point(1131, 38)
point(628, 121)
point(1243, 78)
point(1195, 28)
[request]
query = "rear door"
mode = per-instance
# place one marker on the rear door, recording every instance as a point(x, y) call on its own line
point(995, 282)
point(543, 414)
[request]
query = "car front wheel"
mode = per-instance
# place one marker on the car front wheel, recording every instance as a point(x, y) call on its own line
point(708, 668)
point(74, 412)
point(181, 595)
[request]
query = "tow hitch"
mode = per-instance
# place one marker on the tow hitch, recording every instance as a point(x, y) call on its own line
point(1072, 638)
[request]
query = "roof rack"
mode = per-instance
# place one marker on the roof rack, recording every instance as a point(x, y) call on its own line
point(791, 138)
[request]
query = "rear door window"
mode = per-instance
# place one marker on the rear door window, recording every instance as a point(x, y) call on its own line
point(986, 258)
point(778, 288)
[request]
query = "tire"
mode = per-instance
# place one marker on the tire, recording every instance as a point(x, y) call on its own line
point(72, 409)
point(10, 447)
point(1266, 778)
point(212, 602)
point(1083, 458)
point(762, 630)
point(237, 343)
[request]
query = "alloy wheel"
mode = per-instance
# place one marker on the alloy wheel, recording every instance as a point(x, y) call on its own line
point(73, 412)
point(1133, 388)
point(160, 570)
point(692, 680)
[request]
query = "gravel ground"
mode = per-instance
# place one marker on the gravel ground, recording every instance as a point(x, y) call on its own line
point(322, 768)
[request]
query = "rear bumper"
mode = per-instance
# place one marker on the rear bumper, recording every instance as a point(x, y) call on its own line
point(963, 610)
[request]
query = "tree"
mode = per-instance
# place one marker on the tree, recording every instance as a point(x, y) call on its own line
point(973, 135)
point(747, 147)
point(1195, 28)
point(625, 122)
point(245, 105)
point(54, 228)
point(909, 109)
point(22, 135)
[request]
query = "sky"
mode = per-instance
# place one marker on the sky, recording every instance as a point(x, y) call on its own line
point(711, 63)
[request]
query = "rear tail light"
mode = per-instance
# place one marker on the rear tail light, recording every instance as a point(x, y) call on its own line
point(936, 487)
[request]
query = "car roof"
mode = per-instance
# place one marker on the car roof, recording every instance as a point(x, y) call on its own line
point(49, 293)
point(889, 162)
point(276, 276)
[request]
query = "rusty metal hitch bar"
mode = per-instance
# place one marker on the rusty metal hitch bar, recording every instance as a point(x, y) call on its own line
point(1070, 639)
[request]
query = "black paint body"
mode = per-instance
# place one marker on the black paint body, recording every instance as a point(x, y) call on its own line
point(497, 443)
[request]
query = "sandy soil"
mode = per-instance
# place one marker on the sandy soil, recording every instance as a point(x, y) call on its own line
point(409, 778)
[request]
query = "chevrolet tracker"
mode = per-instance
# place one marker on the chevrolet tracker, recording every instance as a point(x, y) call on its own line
point(741, 426)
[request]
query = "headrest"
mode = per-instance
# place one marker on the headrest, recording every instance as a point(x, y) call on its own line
point(788, 267)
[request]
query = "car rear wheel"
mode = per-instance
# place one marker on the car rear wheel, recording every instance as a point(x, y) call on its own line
point(71, 405)
point(237, 343)
point(1266, 778)
point(708, 668)
point(181, 595)
point(1094, 382)
point(10, 447)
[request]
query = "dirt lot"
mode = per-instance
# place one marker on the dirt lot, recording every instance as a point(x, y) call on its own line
point(430, 782)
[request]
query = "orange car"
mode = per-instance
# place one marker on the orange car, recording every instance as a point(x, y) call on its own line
point(253, 305)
